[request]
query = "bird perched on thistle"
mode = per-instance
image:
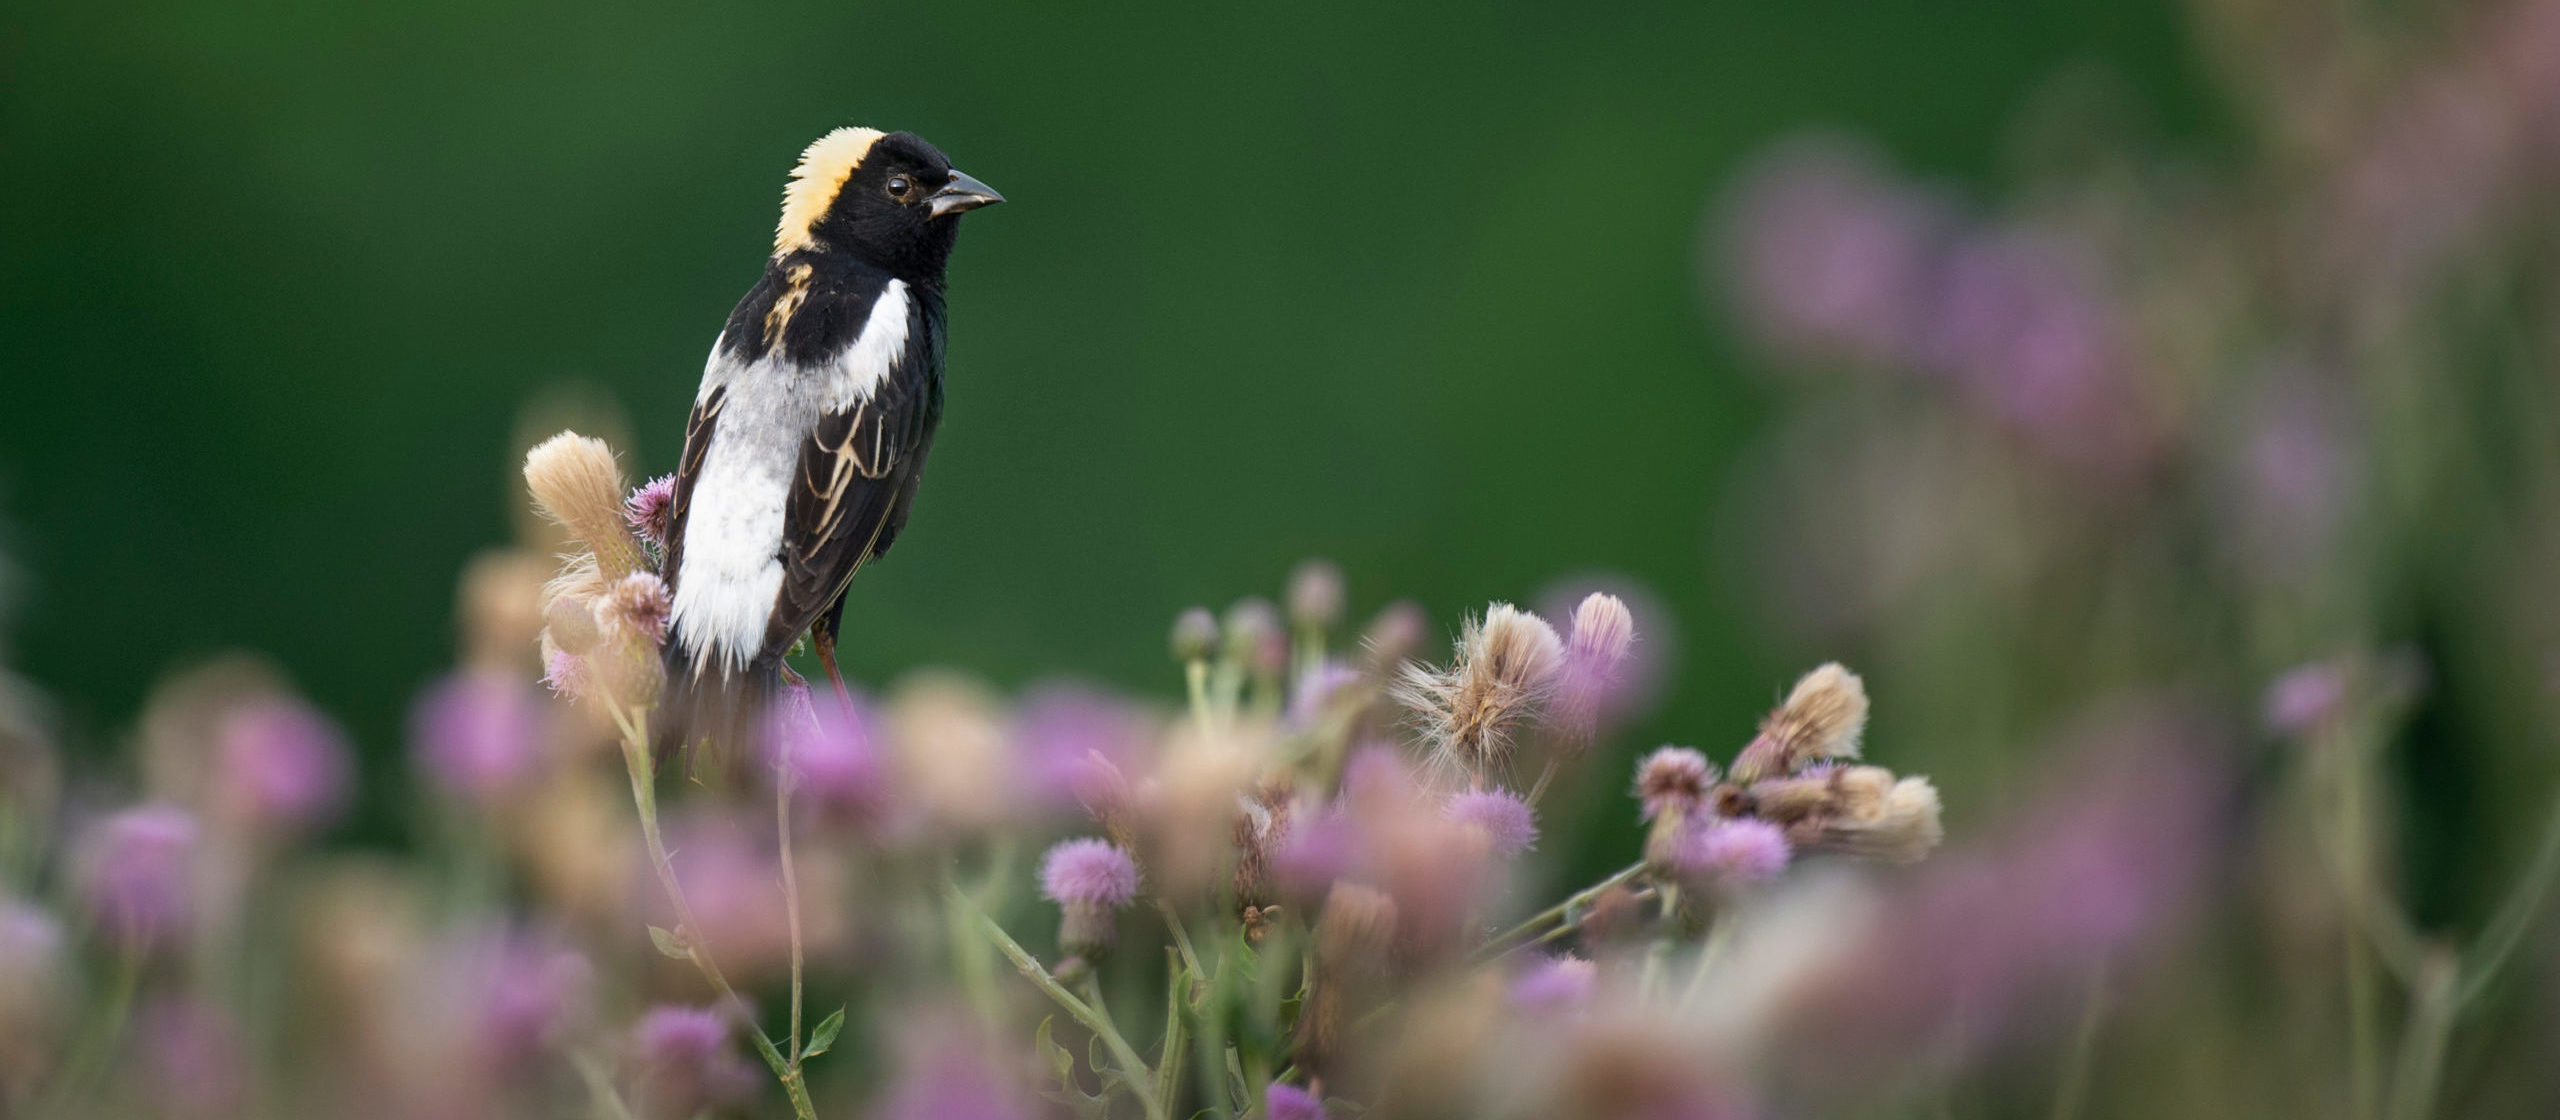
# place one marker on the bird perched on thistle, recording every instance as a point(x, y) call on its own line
point(809, 433)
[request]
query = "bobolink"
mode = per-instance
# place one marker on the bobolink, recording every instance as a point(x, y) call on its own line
point(808, 436)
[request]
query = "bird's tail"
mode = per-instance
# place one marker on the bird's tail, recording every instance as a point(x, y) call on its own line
point(708, 719)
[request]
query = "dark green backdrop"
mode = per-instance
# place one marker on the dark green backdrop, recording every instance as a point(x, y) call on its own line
point(1416, 290)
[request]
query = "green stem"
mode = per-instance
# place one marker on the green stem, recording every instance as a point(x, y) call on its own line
point(2505, 931)
point(1526, 932)
point(644, 797)
point(1169, 1056)
point(609, 1104)
point(86, 1062)
point(790, 895)
point(1031, 970)
point(1181, 938)
point(2364, 1039)
point(2432, 1009)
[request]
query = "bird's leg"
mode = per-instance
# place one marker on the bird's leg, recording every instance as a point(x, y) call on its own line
point(824, 638)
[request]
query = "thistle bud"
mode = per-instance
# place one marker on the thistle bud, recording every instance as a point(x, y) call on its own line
point(1672, 785)
point(1090, 880)
point(1395, 635)
point(1255, 637)
point(571, 626)
point(1315, 595)
point(1195, 635)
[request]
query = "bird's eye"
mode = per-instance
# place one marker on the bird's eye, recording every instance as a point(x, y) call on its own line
point(900, 188)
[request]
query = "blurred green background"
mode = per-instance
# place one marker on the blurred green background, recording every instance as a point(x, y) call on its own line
point(1418, 291)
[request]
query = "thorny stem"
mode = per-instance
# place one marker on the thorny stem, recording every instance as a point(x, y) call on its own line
point(1526, 932)
point(644, 797)
point(1130, 1065)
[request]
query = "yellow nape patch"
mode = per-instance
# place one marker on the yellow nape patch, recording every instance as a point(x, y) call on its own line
point(824, 167)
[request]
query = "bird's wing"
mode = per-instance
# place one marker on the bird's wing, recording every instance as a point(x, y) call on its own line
point(855, 482)
point(697, 443)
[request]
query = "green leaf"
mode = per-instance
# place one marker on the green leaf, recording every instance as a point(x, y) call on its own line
point(1060, 1061)
point(825, 1036)
point(668, 943)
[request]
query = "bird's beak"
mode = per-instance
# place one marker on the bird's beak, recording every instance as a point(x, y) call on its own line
point(963, 194)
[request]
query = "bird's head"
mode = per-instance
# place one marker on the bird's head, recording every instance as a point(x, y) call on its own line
point(889, 199)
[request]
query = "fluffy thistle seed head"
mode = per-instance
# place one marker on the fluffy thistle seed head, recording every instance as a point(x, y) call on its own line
point(1875, 816)
point(576, 482)
point(1595, 663)
point(1506, 668)
point(1822, 718)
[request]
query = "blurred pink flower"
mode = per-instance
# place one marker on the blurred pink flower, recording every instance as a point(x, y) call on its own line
point(193, 1060)
point(1733, 852)
point(687, 1064)
point(1554, 984)
point(480, 734)
point(1829, 254)
point(282, 765)
point(1499, 815)
point(826, 745)
point(1061, 725)
point(2025, 328)
point(135, 873)
point(1289, 1102)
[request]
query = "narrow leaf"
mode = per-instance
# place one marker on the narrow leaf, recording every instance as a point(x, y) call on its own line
point(825, 1036)
point(668, 943)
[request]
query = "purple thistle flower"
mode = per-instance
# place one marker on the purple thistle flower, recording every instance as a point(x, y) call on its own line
point(478, 734)
point(1554, 984)
point(1502, 817)
point(947, 1078)
point(136, 874)
point(1312, 854)
point(686, 1064)
point(1288, 1102)
point(1062, 726)
point(2025, 329)
point(1089, 872)
point(1733, 852)
point(1089, 880)
point(565, 673)
point(283, 765)
point(826, 745)
point(648, 508)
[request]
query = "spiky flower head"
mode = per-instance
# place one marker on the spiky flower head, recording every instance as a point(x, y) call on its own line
point(1195, 635)
point(1505, 669)
point(1595, 666)
point(1288, 1102)
point(1673, 781)
point(1732, 853)
point(1554, 984)
point(651, 508)
point(1090, 880)
point(1315, 595)
point(637, 609)
point(1502, 818)
point(576, 482)
point(1822, 718)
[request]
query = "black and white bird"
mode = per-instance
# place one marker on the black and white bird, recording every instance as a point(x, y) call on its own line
point(809, 434)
